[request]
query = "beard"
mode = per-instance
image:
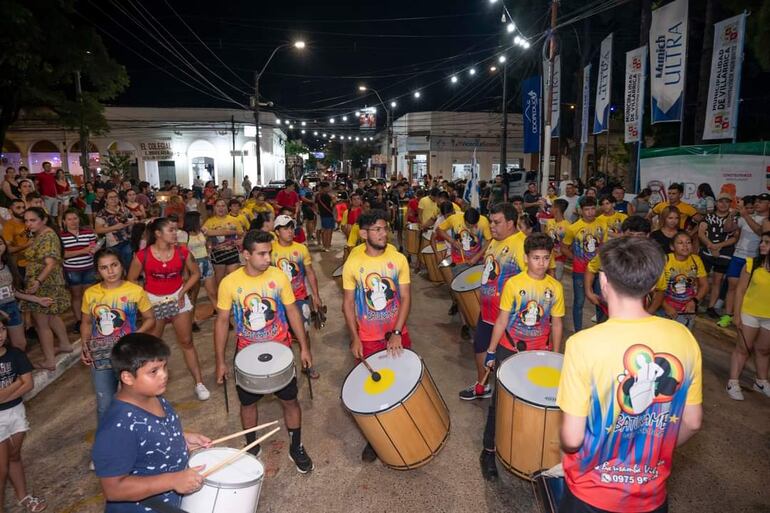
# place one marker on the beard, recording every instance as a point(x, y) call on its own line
point(378, 247)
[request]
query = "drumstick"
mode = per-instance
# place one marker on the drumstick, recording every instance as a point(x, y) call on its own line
point(238, 454)
point(227, 399)
point(239, 433)
point(486, 376)
point(375, 375)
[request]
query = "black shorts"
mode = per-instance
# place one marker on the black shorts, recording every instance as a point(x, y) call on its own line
point(717, 264)
point(308, 215)
point(287, 393)
point(482, 336)
point(571, 504)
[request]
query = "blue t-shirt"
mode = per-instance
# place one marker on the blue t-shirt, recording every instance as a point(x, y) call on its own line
point(13, 364)
point(133, 441)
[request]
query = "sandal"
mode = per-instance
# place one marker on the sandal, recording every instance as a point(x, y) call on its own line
point(33, 504)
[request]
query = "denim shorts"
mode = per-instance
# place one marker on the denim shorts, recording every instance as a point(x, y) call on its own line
point(327, 223)
point(11, 309)
point(735, 267)
point(206, 269)
point(83, 277)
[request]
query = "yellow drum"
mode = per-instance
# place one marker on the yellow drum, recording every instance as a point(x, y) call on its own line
point(466, 287)
point(403, 415)
point(413, 238)
point(527, 419)
point(431, 261)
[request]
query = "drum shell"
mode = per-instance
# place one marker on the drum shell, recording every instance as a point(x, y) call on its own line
point(413, 239)
point(526, 434)
point(264, 384)
point(446, 271)
point(469, 304)
point(431, 261)
point(224, 498)
point(409, 434)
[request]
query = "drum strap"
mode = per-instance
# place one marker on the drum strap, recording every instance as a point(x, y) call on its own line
point(158, 505)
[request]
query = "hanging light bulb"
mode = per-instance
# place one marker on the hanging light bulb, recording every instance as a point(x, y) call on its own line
point(344, 118)
point(453, 79)
point(331, 120)
point(417, 94)
point(511, 27)
point(472, 71)
point(393, 104)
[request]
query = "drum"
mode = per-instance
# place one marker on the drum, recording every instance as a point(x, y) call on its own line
point(413, 238)
point(431, 261)
point(264, 367)
point(445, 268)
point(466, 287)
point(403, 415)
point(337, 275)
point(345, 253)
point(232, 489)
point(549, 491)
point(527, 418)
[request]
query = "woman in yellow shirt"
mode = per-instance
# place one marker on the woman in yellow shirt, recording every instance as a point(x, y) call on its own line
point(752, 320)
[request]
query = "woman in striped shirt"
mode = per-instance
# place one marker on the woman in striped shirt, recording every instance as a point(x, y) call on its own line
point(79, 248)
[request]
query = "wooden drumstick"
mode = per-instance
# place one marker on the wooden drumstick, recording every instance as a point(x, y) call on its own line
point(239, 433)
point(376, 376)
point(222, 464)
point(486, 376)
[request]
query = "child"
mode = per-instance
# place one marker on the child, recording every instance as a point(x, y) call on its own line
point(613, 220)
point(556, 228)
point(140, 451)
point(683, 283)
point(109, 311)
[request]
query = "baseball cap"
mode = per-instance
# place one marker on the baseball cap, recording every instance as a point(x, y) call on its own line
point(724, 195)
point(283, 220)
point(765, 196)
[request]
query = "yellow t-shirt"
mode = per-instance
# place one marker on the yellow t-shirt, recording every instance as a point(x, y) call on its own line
point(631, 380)
point(679, 280)
point(531, 304)
point(428, 209)
point(15, 233)
point(241, 220)
point(584, 240)
point(293, 260)
point(556, 230)
point(756, 302)
point(265, 208)
point(685, 209)
point(353, 238)
point(503, 259)
point(471, 239)
point(223, 223)
point(595, 265)
point(376, 282)
point(195, 243)
point(258, 304)
point(613, 222)
point(113, 314)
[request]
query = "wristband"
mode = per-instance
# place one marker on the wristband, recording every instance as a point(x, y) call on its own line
point(489, 359)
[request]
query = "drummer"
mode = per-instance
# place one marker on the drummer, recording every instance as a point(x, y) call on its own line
point(468, 234)
point(294, 260)
point(530, 319)
point(258, 285)
point(377, 296)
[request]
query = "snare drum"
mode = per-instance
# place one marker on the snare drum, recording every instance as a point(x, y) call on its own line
point(431, 261)
point(466, 287)
point(403, 415)
point(413, 238)
point(232, 489)
point(527, 419)
point(337, 275)
point(264, 367)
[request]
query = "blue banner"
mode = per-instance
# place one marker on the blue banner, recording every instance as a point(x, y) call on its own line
point(530, 106)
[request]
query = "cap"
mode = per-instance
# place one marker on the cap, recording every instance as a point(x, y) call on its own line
point(725, 195)
point(283, 220)
point(765, 196)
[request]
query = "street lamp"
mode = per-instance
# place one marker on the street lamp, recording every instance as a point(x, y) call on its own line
point(257, 75)
point(388, 135)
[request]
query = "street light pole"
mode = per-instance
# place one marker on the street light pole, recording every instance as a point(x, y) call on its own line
point(504, 133)
point(546, 167)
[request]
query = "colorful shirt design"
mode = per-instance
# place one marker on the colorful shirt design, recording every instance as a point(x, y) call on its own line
point(584, 240)
point(531, 304)
point(223, 223)
point(258, 304)
point(614, 222)
point(471, 239)
point(679, 280)
point(556, 230)
point(293, 260)
point(376, 282)
point(503, 259)
point(631, 380)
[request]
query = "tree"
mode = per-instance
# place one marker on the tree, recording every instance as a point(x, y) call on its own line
point(44, 46)
point(117, 165)
point(296, 147)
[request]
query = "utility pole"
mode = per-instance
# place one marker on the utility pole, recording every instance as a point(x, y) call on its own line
point(83, 132)
point(504, 132)
point(256, 122)
point(232, 129)
point(546, 167)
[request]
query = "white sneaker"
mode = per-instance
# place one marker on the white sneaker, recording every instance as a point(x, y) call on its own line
point(593, 319)
point(734, 390)
point(763, 387)
point(202, 392)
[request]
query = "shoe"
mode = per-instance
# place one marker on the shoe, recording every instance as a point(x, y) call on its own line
point(452, 309)
point(593, 319)
point(719, 304)
point(195, 327)
point(368, 455)
point(711, 312)
point(91, 466)
point(256, 450)
point(476, 391)
point(725, 321)
point(301, 460)
point(488, 465)
point(75, 328)
point(202, 392)
point(734, 390)
point(763, 387)
point(465, 333)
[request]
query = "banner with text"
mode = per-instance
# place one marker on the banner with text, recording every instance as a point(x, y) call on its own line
point(724, 86)
point(668, 53)
point(585, 107)
point(160, 149)
point(556, 98)
point(530, 99)
point(603, 87)
point(367, 118)
point(635, 74)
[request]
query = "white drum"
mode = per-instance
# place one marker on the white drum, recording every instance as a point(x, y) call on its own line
point(232, 489)
point(264, 367)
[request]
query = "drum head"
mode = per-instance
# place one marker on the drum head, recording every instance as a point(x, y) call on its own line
point(532, 376)
point(338, 271)
point(469, 279)
point(413, 226)
point(399, 376)
point(243, 472)
point(264, 358)
point(427, 234)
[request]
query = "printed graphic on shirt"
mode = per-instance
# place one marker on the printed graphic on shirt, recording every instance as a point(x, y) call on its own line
point(679, 280)
point(291, 260)
point(584, 240)
point(531, 304)
point(503, 260)
point(471, 240)
point(647, 378)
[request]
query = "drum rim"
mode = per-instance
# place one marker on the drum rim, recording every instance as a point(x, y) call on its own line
point(229, 486)
point(237, 353)
point(518, 397)
point(393, 406)
point(461, 273)
point(271, 390)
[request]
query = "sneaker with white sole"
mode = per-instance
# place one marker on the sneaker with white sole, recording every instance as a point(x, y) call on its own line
point(734, 390)
point(763, 387)
point(476, 391)
point(202, 392)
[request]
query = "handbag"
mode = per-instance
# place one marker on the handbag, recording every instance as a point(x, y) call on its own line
point(168, 307)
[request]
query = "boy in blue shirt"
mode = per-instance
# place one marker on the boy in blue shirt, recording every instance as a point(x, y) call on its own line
point(140, 453)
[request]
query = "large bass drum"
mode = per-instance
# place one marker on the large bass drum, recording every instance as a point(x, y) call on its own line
point(465, 287)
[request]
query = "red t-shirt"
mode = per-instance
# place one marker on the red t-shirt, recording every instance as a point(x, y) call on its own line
point(46, 184)
point(160, 280)
point(299, 235)
point(287, 198)
point(353, 215)
point(412, 211)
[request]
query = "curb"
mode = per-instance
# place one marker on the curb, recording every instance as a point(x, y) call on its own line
point(43, 378)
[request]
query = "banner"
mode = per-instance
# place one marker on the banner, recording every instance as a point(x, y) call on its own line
point(471, 195)
point(724, 85)
point(556, 98)
point(668, 53)
point(603, 87)
point(367, 118)
point(635, 74)
point(530, 99)
point(585, 107)
point(160, 149)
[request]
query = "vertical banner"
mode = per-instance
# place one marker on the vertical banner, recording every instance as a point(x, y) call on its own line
point(668, 55)
point(603, 87)
point(585, 107)
point(530, 100)
point(724, 85)
point(471, 195)
point(635, 73)
point(556, 94)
